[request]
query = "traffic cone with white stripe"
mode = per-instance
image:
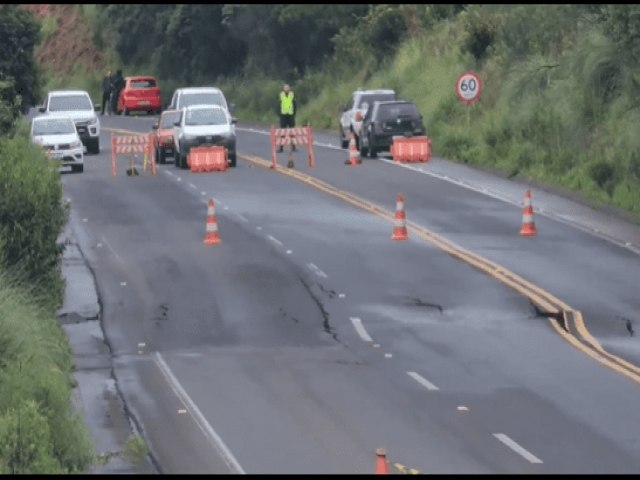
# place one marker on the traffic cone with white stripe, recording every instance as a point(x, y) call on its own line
point(528, 226)
point(211, 236)
point(354, 153)
point(382, 465)
point(400, 222)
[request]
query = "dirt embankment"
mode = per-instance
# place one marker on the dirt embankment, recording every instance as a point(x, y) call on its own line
point(70, 44)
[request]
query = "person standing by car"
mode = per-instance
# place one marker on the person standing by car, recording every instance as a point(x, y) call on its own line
point(107, 86)
point(287, 110)
point(118, 85)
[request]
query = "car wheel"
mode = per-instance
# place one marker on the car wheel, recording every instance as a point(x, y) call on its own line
point(161, 156)
point(183, 161)
point(94, 146)
point(77, 168)
point(125, 111)
point(232, 160)
point(372, 151)
point(363, 150)
point(176, 159)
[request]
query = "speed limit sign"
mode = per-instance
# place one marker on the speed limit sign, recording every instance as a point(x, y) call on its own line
point(468, 88)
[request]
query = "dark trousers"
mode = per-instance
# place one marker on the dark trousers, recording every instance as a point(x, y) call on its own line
point(114, 102)
point(106, 101)
point(287, 121)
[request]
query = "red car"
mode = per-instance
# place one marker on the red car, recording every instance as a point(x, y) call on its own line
point(163, 135)
point(140, 94)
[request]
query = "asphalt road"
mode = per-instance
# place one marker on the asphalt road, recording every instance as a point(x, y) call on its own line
point(308, 338)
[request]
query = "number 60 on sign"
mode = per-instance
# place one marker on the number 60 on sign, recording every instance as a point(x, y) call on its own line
point(468, 88)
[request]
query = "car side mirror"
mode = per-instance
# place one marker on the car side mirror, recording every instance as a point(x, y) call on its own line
point(41, 109)
point(97, 107)
point(234, 120)
point(176, 124)
point(154, 126)
point(232, 107)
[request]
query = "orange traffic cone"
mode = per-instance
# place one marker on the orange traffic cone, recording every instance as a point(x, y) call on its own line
point(211, 236)
point(354, 153)
point(382, 465)
point(400, 226)
point(528, 226)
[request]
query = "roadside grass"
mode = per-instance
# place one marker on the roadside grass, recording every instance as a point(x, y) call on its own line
point(39, 432)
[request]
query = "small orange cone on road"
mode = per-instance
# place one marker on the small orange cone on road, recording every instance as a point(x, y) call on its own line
point(211, 236)
point(354, 153)
point(528, 226)
point(400, 223)
point(382, 465)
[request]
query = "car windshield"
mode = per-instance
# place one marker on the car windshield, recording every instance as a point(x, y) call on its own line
point(69, 102)
point(144, 83)
point(168, 119)
point(367, 100)
point(57, 126)
point(392, 112)
point(204, 98)
point(206, 116)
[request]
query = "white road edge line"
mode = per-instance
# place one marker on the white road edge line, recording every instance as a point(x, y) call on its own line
point(196, 414)
point(241, 217)
point(517, 448)
point(422, 381)
point(104, 240)
point(357, 324)
point(275, 240)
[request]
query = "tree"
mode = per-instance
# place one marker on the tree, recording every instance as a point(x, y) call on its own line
point(19, 34)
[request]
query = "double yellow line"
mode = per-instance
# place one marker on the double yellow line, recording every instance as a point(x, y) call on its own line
point(573, 329)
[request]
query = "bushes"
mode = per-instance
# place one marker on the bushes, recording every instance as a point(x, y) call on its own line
point(39, 433)
point(32, 215)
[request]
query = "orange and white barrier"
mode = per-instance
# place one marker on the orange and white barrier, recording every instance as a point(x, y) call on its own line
point(207, 159)
point(411, 149)
point(292, 136)
point(131, 145)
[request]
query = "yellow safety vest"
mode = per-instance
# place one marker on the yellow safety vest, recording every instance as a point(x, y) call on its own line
point(286, 103)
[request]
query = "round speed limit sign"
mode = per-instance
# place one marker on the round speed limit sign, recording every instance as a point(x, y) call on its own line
point(468, 88)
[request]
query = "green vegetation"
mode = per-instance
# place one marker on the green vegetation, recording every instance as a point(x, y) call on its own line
point(560, 82)
point(39, 433)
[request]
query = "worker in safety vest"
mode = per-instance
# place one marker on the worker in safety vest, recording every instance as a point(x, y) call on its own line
point(287, 110)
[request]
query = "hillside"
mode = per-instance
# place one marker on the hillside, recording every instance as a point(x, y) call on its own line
point(67, 41)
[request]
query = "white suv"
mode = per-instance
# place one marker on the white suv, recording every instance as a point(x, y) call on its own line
point(360, 101)
point(77, 105)
point(183, 97)
point(201, 125)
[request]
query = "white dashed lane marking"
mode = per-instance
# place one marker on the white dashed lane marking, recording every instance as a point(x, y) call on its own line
point(357, 324)
point(517, 448)
point(422, 381)
point(275, 240)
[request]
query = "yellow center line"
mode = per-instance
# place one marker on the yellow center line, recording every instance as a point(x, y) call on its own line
point(542, 298)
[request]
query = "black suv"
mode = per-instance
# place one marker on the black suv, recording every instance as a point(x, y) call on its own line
point(384, 120)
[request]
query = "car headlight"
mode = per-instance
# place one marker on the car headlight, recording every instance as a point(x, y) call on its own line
point(76, 144)
point(93, 121)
